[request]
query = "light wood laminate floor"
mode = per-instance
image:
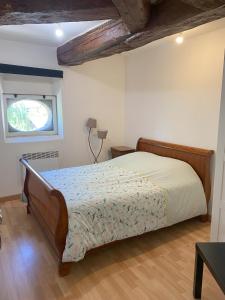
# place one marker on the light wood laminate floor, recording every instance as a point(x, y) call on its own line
point(158, 265)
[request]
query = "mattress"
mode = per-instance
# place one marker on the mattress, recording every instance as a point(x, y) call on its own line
point(124, 197)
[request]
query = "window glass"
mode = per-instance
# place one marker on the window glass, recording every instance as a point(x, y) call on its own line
point(28, 116)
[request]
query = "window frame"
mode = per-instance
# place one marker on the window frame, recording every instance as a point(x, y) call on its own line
point(19, 97)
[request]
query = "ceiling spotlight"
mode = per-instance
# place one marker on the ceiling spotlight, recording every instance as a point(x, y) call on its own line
point(179, 39)
point(59, 32)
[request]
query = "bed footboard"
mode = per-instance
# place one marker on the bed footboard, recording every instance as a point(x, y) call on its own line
point(49, 208)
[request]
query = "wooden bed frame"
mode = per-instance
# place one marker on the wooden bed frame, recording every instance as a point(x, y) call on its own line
point(49, 207)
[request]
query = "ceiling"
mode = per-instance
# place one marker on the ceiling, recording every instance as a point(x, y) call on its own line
point(44, 34)
point(187, 34)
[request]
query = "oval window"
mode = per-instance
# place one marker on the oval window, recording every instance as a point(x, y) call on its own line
point(29, 115)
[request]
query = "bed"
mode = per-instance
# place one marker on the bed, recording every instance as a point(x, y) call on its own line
point(83, 208)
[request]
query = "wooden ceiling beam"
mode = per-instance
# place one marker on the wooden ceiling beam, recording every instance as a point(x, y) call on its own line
point(167, 18)
point(135, 14)
point(92, 43)
point(162, 26)
point(55, 11)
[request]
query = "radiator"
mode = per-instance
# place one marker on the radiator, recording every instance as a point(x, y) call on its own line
point(42, 161)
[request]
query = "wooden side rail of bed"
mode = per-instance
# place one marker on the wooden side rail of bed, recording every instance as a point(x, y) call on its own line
point(49, 207)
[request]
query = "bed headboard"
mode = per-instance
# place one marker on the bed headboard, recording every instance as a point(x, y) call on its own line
point(198, 158)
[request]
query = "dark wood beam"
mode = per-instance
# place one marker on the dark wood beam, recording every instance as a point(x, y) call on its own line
point(92, 43)
point(174, 16)
point(54, 11)
point(167, 18)
point(135, 14)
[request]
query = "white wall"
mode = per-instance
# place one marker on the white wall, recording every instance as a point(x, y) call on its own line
point(95, 89)
point(218, 211)
point(173, 92)
point(26, 54)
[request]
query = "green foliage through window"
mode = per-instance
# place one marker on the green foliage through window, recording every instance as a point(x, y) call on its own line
point(18, 118)
point(29, 115)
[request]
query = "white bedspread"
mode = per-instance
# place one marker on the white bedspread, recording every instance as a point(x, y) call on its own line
point(106, 203)
point(125, 197)
point(186, 197)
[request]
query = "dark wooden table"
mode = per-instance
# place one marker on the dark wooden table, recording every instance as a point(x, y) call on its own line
point(121, 150)
point(213, 255)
